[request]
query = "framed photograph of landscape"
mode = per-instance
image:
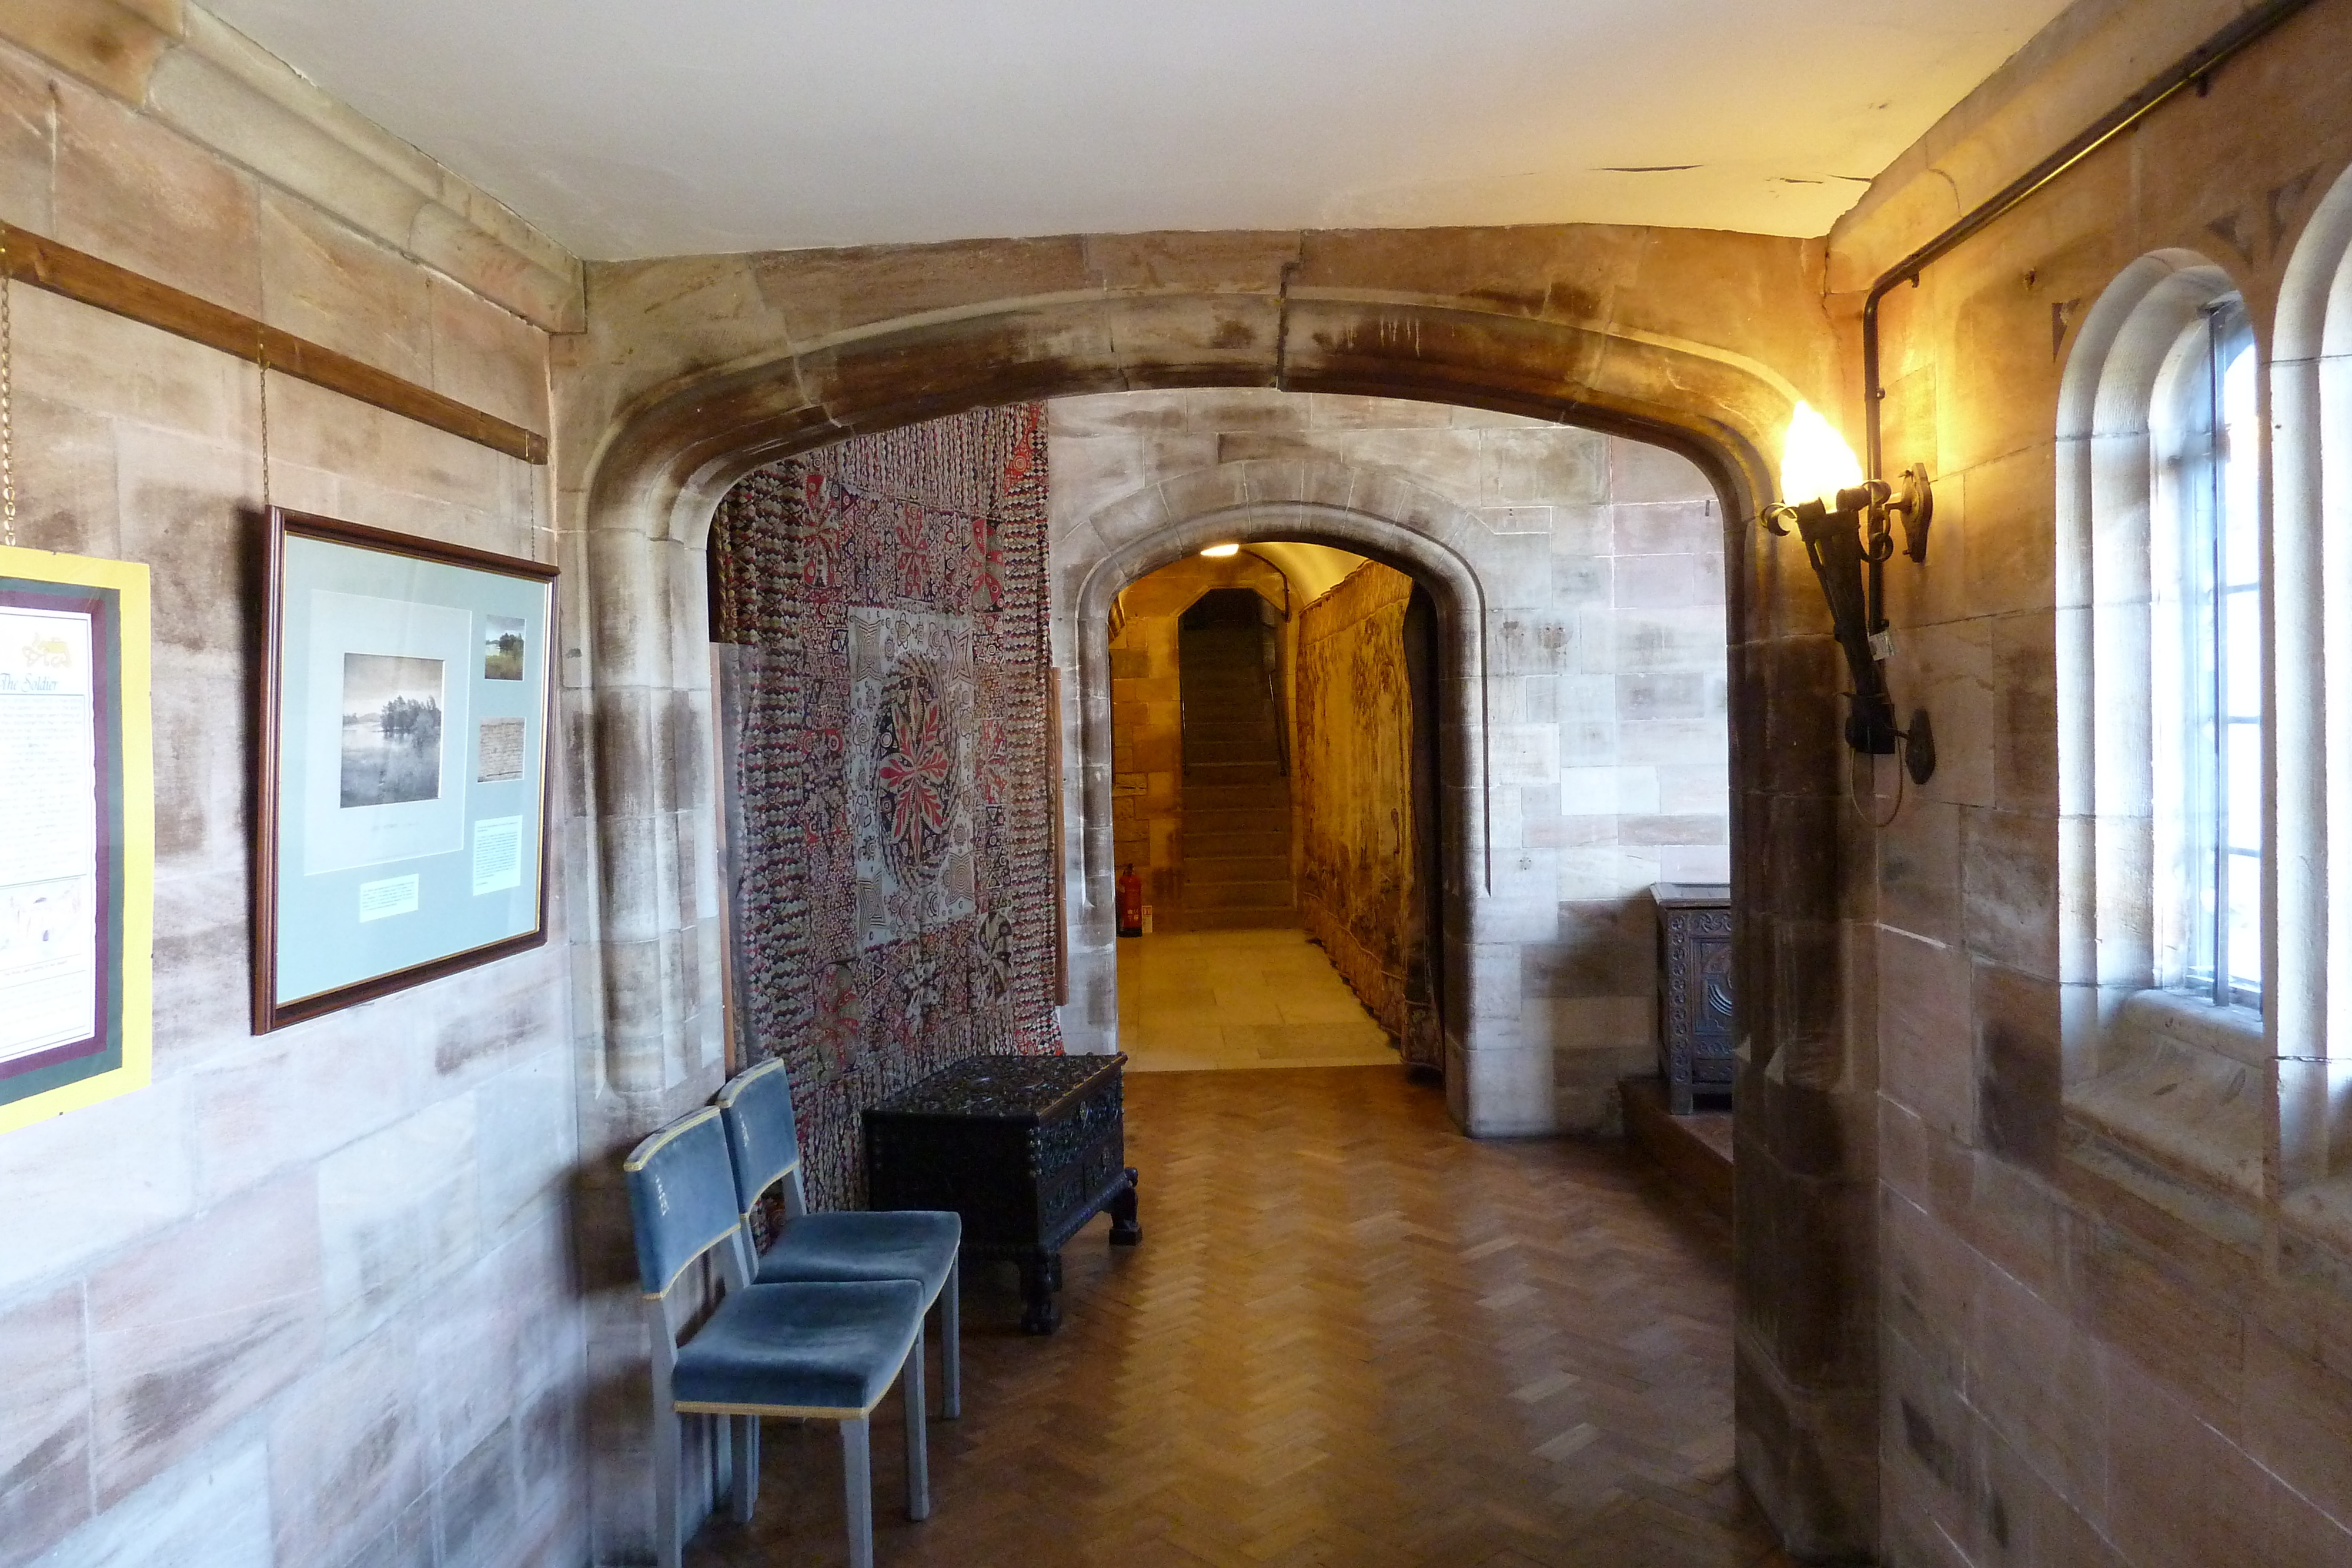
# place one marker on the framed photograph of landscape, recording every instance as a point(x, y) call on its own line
point(403, 818)
point(77, 833)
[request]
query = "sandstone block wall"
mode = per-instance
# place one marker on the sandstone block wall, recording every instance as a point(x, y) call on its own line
point(311, 1296)
point(2094, 1351)
point(695, 371)
point(2073, 1372)
point(1598, 563)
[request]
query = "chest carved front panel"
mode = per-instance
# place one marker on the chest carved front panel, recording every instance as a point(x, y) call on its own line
point(1696, 1035)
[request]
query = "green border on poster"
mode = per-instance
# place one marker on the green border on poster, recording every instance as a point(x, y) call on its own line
point(121, 634)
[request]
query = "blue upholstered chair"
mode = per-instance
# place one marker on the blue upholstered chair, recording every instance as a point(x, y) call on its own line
point(828, 1352)
point(900, 1244)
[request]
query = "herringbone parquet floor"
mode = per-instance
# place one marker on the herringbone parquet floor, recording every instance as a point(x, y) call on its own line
point(1350, 1337)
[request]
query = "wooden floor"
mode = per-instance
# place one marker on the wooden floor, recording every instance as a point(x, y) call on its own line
point(1350, 1336)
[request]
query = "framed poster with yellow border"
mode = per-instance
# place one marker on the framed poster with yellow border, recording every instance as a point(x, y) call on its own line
point(77, 833)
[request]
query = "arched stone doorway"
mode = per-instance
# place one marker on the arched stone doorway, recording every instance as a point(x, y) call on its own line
point(696, 372)
point(1481, 1086)
point(652, 466)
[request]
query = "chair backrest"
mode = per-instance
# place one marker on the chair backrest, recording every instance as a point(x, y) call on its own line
point(757, 1108)
point(681, 1198)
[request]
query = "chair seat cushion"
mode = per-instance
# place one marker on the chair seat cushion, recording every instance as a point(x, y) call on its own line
point(918, 1244)
point(801, 1347)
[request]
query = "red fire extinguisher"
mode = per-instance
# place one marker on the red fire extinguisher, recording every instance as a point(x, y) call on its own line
point(1131, 902)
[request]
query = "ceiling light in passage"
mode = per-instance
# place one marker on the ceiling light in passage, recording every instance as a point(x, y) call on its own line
point(1220, 552)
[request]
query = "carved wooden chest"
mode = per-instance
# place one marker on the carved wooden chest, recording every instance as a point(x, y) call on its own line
point(1695, 1039)
point(1025, 1148)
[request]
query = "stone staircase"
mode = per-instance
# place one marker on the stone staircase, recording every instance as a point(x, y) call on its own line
point(1236, 796)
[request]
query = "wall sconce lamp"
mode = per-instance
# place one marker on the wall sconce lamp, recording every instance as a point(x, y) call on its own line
point(1849, 538)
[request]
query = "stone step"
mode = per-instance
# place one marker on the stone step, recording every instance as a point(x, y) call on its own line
point(1222, 871)
point(1271, 796)
point(1203, 826)
point(1237, 894)
point(1212, 844)
point(1220, 787)
point(1262, 755)
point(1696, 1150)
point(1236, 799)
point(1240, 919)
point(1220, 775)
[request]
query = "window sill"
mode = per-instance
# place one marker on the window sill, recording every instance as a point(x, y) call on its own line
point(2323, 1211)
point(2180, 1112)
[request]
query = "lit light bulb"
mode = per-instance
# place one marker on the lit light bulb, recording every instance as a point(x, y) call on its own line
point(1815, 461)
point(1220, 551)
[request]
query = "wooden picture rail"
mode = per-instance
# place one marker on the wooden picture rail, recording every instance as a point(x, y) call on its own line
point(77, 274)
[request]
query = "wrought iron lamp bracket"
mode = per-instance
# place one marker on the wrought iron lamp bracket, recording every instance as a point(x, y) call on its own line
point(1848, 546)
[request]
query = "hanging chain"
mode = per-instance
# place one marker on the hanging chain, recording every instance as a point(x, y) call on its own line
point(261, 357)
point(7, 409)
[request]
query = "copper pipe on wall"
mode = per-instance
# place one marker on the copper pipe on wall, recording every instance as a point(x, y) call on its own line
point(2191, 71)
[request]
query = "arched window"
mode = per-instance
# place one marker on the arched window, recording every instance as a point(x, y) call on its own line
point(2206, 642)
point(2162, 700)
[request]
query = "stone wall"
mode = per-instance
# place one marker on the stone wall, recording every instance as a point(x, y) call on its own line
point(311, 1295)
point(1360, 893)
point(2095, 1349)
point(695, 371)
point(1598, 562)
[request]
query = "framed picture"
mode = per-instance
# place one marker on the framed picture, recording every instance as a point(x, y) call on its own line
point(77, 833)
point(403, 764)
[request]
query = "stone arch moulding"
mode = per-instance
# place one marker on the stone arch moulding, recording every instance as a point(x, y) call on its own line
point(1372, 513)
point(691, 375)
point(2310, 426)
point(639, 483)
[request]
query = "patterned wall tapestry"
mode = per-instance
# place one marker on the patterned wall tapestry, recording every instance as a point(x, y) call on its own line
point(1360, 892)
point(895, 903)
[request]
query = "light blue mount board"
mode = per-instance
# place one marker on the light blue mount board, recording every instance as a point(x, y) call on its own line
point(340, 864)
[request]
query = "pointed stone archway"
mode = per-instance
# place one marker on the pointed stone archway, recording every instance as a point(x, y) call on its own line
point(1492, 1085)
point(695, 370)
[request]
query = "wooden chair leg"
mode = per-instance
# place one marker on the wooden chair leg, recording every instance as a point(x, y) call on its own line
point(747, 1469)
point(919, 1453)
point(668, 1548)
point(857, 1484)
point(952, 1343)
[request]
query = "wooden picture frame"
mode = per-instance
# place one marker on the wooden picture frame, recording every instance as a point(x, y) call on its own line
point(77, 833)
point(402, 791)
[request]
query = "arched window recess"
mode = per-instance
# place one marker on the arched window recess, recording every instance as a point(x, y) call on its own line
point(2163, 710)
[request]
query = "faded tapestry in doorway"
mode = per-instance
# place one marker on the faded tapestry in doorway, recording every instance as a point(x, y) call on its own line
point(1364, 882)
point(885, 703)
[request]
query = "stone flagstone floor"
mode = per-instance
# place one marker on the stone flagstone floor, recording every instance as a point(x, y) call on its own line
point(1224, 999)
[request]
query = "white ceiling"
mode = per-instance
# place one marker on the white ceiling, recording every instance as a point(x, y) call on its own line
point(629, 128)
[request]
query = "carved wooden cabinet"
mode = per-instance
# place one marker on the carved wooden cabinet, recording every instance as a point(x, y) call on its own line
point(1025, 1148)
point(1695, 1001)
